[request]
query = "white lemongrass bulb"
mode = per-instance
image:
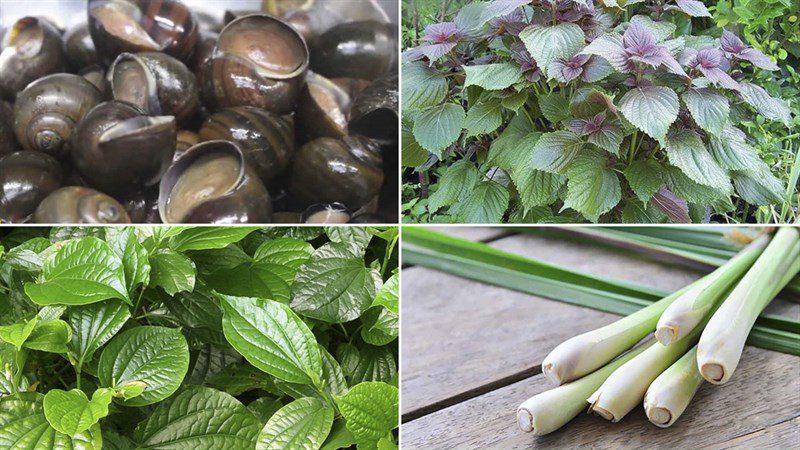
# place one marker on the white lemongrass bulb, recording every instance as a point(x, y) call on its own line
point(721, 344)
point(689, 309)
point(670, 393)
point(625, 388)
point(550, 410)
point(585, 353)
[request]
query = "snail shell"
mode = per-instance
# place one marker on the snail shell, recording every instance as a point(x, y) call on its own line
point(31, 49)
point(326, 213)
point(374, 111)
point(322, 109)
point(365, 49)
point(157, 83)
point(119, 26)
point(75, 204)
point(48, 110)
point(119, 149)
point(186, 140)
point(327, 170)
point(8, 141)
point(212, 183)
point(266, 139)
point(79, 47)
point(258, 61)
point(25, 179)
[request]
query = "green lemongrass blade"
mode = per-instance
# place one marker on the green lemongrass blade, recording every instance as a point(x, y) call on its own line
point(775, 340)
point(445, 258)
point(688, 310)
point(715, 238)
point(490, 255)
point(670, 393)
point(550, 410)
point(723, 339)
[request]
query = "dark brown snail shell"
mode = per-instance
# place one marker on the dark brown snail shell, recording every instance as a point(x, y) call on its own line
point(212, 183)
point(31, 49)
point(368, 218)
point(326, 213)
point(142, 206)
point(26, 178)
point(8, 141)
point(322, 109)
point(79, 46)
point(96, 74)
point(258, 61)
point(157, 83)
point(76, 204)
point(48, 110)
point(286, 217)
point(186, 140)
point(365, 49)
point(328, 170)
point(120, 149)
point(374, 111)
point(119, 26)
point(204, 51)
point(266, 139)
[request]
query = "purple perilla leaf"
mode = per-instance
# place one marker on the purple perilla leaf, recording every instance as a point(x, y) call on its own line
point(734, 46)
point(526, 62)
point(693, 8)
point(670, 204)
point(511, 24)
point(712, 64)
point(439, 38)
point(640, 46)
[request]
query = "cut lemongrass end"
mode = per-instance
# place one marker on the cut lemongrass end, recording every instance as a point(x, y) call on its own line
point(722, 341)
point(550, 410)
point(670, 393)
point(690, 308)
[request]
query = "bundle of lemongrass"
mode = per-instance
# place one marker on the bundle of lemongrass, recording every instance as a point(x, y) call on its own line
point(700, 332)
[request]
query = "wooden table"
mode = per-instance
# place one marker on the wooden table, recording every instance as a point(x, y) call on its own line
point(471, 353)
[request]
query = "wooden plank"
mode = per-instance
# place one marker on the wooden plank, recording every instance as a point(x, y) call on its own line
point(764, 391)
point(781, 436)
point(459, 335)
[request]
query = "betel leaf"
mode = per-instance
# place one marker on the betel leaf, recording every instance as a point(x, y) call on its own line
point(439, 126)
point(759, 188)
point(272, 338)
point(172, 271)
point(593, 187)
point(199, 417)
point(483, 118)
point(27, 256)
point(485, 204)
point(93, 325)
point(158, 357)
point(71, 412)
point(49, 336)
point(554, 152)
point(198, 309)
point(17, 333)
point(340, 437)
point(369, 363)
point(303, 423)
point(205, 238)
point(709, 109)
point(546, 43)
point(83, 271)
point(370, 411)
point(23, 426)
point(492, 76)
point(388, 295)
point(357, 236)
point(265, 407)
point(422, 86)
point(456, 183)
point(644, 177)
point(237, 378)
point(651, 109)
point(334, 286)
point(380, 326)
point(135, 263)
point(686, 151)
point(536, 187)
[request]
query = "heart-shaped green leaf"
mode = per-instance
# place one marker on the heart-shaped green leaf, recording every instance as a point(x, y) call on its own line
point(71, 412)
point(303, 423)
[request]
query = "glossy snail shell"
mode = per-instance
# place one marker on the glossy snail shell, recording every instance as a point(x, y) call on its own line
point(212, 183)
point(365, 49)
point(119, 148)
point(157, 83)
point(266, 139)
point(326, 213)
point(8, 141)
point(48, 110)
point(327, 170)
point(75, 204)
point(26, 178)
point(374, 111)
point(322, 109)
point(258, 61)
point(79, 47)
point(31, 49)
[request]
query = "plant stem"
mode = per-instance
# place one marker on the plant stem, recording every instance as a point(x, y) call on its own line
point(670, 393)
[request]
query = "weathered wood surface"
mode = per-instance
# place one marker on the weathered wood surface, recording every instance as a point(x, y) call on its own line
point(462, 338)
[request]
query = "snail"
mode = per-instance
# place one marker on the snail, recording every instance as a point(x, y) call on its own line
point(79, 47)
point(76, 204)
point(322, 109)
point(212, 183)
point(120, 149)
point(266, 139)
point(31, 49)
point(8, 142)
point(365, 49)
point(374, 111)
point(48, 110)
point(26, 178)
point(326, 213)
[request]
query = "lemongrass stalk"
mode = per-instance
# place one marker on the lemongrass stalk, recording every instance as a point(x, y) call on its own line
point(670, 393)
point(686, 312)
point(723, 339)
point(585, 353)
point(550, 410)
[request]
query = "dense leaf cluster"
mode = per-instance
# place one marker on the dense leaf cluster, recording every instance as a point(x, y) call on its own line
point(198, 338)
point(578, 110)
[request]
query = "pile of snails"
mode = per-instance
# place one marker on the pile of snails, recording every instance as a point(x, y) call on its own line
point(149, 112)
